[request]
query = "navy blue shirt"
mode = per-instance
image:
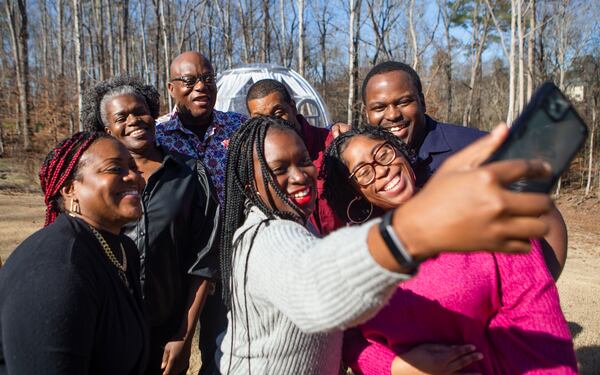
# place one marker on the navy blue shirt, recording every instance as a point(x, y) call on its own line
point(441, 141)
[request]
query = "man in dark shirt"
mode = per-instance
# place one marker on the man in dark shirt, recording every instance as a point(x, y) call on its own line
point(393, 98)
point(269, 97)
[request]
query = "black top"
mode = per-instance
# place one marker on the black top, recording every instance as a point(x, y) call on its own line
point(175, 236)
point(65, 310)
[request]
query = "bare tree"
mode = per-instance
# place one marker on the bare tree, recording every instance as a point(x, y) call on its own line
point(19, 37)
point(123, 31)
point(323, 23)
point(166, 46)
point(448, 10)
point(78, 58)
point(479, 33)
point(354, 21)
point(265, 53)
point(413, 35)
point(383, 15)
point(521, 72)
point(531, 49)
point(301, 37)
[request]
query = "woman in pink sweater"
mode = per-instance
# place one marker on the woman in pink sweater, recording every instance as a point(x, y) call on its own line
point(506, 306)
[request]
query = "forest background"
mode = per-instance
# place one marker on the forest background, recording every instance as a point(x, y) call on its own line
point(479, 60)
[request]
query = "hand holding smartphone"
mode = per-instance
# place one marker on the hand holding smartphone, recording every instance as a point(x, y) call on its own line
point(549, 129)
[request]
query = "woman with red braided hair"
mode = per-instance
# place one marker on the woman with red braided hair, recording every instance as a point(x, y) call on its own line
point(70, 300)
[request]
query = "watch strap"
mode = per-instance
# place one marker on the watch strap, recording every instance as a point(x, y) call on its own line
point(394, 244)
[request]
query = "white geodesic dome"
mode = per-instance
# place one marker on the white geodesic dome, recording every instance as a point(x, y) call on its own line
point(233, 86)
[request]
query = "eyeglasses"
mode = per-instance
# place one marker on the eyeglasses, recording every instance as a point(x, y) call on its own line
point(384, 155)
point(190, 81)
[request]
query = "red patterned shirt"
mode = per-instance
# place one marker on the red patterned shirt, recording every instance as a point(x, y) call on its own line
point(212, 150)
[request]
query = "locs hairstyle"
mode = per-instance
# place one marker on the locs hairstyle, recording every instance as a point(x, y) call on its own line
point(337, 190)
point(240, 186)
point(60, 167)
point(93, 117)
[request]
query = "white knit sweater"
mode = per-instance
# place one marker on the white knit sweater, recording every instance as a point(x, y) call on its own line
point(300, 293)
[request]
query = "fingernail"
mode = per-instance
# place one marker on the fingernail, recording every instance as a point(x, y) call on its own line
point(479, 356)
point(470, 347)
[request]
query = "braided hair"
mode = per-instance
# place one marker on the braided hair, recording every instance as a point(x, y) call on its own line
point(60, 167)
point(93, 114)
point(240, 189)
point(337, 191)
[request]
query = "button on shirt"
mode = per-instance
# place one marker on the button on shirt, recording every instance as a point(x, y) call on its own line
point(211, 150)
point(441, 141)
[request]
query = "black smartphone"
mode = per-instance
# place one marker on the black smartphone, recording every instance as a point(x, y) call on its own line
point(549, 129)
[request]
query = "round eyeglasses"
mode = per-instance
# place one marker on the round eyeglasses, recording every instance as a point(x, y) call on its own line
point(365, 174)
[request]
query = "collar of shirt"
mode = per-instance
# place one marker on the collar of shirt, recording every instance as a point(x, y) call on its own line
point(435, 140)
point(172, 123)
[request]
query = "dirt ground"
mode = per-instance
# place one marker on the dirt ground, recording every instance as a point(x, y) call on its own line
point(579, 285)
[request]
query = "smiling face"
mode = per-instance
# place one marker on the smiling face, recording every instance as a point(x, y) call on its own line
point(392, 184)
point(393, 102)
point(274, 104)
point(107, 186)
point(292, 169)
point(130, 122)
point(193, 103)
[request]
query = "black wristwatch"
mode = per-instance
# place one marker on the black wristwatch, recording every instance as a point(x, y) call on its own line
point(396, 247)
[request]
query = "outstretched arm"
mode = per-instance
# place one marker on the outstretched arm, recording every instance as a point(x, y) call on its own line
point(555, 243)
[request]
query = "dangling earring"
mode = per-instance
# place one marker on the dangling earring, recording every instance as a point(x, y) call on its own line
point(75, 209)
point(362, 211)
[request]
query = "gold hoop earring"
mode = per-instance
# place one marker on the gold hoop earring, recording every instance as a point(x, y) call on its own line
point(75, 208)
point(359, 220)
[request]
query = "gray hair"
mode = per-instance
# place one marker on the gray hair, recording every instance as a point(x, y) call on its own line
point(123, 90)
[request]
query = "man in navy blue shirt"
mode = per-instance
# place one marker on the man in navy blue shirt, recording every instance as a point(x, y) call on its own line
point(393, 98)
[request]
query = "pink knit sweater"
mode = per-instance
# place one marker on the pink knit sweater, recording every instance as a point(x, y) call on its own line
point(505, 305)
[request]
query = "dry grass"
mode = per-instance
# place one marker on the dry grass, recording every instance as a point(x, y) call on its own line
point(579, 286)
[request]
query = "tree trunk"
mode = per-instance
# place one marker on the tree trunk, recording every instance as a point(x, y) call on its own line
point(146, 70)
point(511, 63)
point(166, 48)
point(448, 62)
point(123, 31)
point(301, 37)
point(99, 20)
point(521, 75)
point(355, 6)
point(45, 41)
point(19, 43)
point(323, 30)
point(246, 26)
point(479, 45)
point(531, 50)
point(561, 63)
point(61, 35)
point(265, 55)
point(413, 35)
point(588, 185)
point(78, 59)
point(111, 55)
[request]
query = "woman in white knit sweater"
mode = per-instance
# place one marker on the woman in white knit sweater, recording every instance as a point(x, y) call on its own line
point(291, 294)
